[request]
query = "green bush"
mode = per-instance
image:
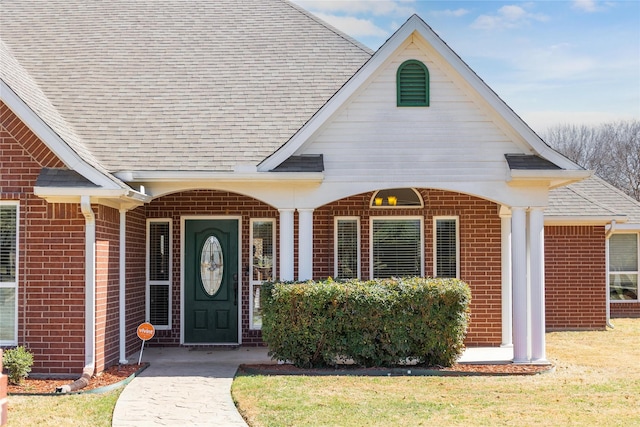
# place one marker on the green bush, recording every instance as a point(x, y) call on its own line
point(375, 323)
point(18, 362)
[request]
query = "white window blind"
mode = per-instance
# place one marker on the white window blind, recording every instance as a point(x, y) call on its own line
point(396, 248)
point(8, 273)
point(446, 247)
point(347, 248)
point(623, 267)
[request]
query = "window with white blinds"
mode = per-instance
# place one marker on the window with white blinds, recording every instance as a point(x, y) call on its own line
point(8, 273)
point(347, 248)
point(623, 267)
point(446, 247)
point(396, 247)
point(159, 273)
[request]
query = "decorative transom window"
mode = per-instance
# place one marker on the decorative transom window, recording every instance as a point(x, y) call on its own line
point(159, 273)
point(396, 197)
point(623, 267)
point(262, 265)
point(412, 81)
point(397, 247)
point(8, 273)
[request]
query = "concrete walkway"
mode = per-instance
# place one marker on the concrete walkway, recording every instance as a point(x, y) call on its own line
point(192, 387)
point(184, 387)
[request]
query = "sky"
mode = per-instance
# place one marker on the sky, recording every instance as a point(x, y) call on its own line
point(554, 62)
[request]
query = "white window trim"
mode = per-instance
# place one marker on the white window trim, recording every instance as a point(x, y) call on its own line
point(335, 242)
point(14, 285)
point(372, 219)
point(609, 273)
point(435, 252)
point(253, 283)
point(158, 282)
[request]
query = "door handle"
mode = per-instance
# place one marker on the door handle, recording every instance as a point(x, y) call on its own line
point(235, 289)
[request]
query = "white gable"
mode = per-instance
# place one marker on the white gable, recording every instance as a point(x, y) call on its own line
point(457, 143)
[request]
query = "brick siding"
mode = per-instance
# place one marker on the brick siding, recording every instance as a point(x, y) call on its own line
point(575, 277)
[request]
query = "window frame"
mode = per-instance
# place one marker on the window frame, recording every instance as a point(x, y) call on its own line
point(14, 284)
point(636, 273)
point(150, 282)
point(336, 220)
point(435, 242)
point(401, 67)
point(253, 283)
point(374, 219)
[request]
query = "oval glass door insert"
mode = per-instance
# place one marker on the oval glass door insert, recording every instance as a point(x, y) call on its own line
point(211, 265)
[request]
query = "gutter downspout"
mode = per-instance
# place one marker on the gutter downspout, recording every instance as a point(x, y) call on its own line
point(123, 286)
point(90, 299)
point(608, 295)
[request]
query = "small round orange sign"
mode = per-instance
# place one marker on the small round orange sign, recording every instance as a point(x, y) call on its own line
point(146, 331)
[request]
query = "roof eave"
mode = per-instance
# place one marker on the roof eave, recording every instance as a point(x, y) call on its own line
point(204, 176)
point(584, 220)
point(554, 178)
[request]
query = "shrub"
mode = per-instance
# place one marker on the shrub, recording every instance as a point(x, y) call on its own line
point(375, 323)
point(18, 362)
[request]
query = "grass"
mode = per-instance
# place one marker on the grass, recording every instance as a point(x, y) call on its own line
point(90, 410)
point(596, 382)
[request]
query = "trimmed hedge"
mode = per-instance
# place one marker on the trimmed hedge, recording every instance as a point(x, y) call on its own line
point(375, 323)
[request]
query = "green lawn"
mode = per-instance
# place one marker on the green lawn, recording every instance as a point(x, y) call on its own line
point(86, 410)
point(596, 382)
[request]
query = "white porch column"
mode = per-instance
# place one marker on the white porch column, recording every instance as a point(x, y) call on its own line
point(123, 287)
point(507, 295)
point(286, 244)
point(305, 244)
point(536, 276)
point(519, 281)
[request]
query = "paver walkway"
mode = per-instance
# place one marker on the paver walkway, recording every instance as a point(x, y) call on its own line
point(184, 387)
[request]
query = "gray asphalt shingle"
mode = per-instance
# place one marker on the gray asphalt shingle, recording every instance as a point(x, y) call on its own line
point(174, 85)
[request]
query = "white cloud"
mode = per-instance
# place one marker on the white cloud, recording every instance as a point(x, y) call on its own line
point(448, 12)
point(585, 5)
point(509, 16)
point(355, 27)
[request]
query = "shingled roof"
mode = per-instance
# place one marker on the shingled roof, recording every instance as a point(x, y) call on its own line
point(595, 198)
point(172, 85)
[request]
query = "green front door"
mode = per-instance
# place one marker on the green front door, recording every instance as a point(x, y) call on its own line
point(211, 281)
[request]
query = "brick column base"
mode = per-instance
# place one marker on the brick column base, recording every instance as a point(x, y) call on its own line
point(3, 395)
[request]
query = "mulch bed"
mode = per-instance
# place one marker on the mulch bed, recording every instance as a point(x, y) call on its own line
point(110, 376)
point(459, 369)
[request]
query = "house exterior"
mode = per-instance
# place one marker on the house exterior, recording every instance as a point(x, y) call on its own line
point(160, 160)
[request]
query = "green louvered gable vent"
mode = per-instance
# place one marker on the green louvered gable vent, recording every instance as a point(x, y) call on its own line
point(413, 84)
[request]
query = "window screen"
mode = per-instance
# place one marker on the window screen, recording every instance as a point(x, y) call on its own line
point(8, 271)
point(446, 247)
point(623, 267)
point(159, 285)
point(396, 250)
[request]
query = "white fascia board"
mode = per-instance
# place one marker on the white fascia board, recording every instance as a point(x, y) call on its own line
point(556, 177)
point(626, 227)
point(181, 176)
point(52, 140)
point(585, 220)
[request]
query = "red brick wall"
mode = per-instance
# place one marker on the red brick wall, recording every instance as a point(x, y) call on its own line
point(625, 309)
point(107, 286)
point(51, 251)
point(575, 277)
point(136, 284)
point(480, 249)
